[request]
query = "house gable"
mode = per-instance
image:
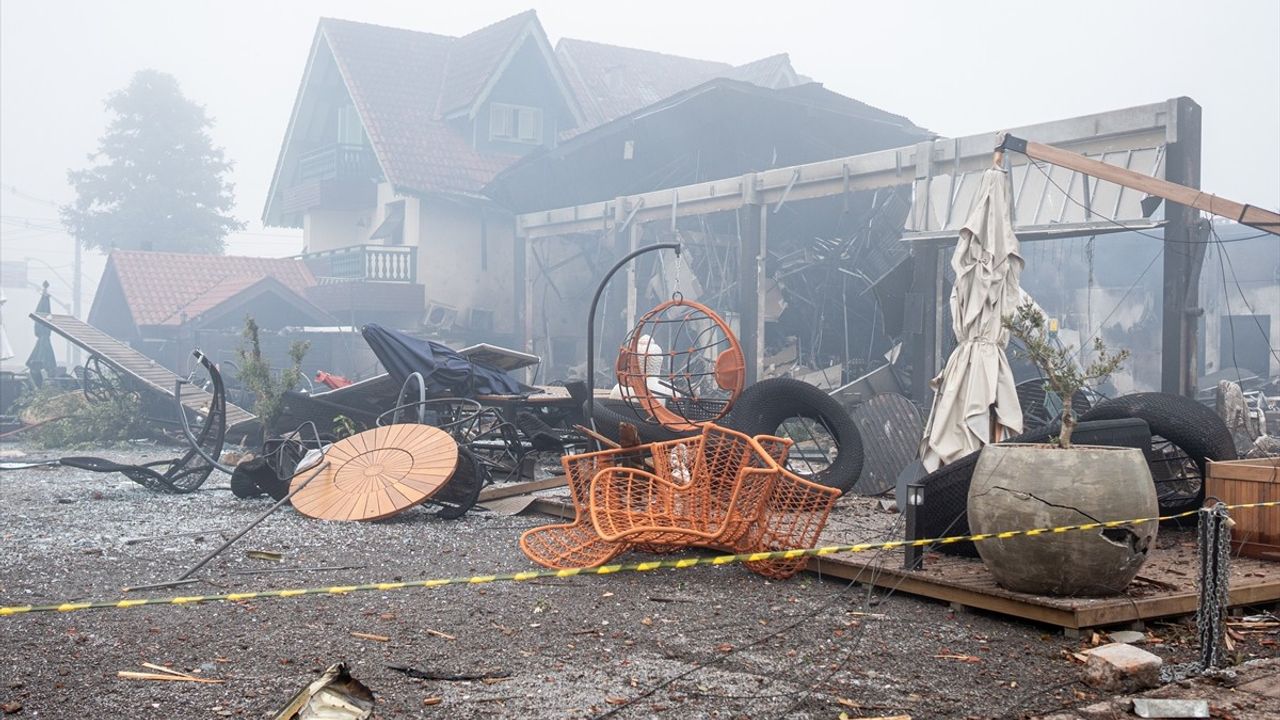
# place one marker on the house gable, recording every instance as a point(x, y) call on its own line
point(324, 113)
point(110, 311)
point(482, 66)
point(525, 106)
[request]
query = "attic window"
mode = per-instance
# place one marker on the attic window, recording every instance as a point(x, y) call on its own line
point(515, 123)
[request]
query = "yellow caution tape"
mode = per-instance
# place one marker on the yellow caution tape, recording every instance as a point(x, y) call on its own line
point(645, 566)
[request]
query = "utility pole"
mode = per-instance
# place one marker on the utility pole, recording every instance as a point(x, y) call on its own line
point(76, 282)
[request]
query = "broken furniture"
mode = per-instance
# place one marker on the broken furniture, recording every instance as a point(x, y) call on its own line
point(186, 473)
point(381, 472)
point(143, 373)
point(720, 489)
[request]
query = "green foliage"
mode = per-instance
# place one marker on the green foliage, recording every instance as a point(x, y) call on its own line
point(160, 183)
point(83, 424)
point(267, 386)
point(344, 426)
point(1062, 375)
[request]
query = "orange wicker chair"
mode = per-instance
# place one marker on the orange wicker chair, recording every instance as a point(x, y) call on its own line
point(577, 544)
point(720, 489)
point(703, 491)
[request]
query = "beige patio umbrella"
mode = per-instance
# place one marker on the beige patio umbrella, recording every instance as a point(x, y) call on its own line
point(975, 395)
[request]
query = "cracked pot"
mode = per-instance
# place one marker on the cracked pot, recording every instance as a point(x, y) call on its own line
point(1019, 487)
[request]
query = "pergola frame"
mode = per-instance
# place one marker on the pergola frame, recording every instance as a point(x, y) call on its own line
point(1173, 125)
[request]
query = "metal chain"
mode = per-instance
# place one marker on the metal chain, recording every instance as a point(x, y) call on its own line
point(1213, 536)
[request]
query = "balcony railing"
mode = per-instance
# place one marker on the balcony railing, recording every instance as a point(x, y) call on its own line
point(372, 263)
point(340, 160)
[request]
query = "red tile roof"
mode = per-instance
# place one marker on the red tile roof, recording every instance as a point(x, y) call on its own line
point(395, 78)
point(405, 83)
point(474, 58)
point(161, 288)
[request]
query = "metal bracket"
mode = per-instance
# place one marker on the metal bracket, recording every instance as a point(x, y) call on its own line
point(1012, 142)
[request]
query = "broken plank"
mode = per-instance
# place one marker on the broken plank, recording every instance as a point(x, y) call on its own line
point(524, 488)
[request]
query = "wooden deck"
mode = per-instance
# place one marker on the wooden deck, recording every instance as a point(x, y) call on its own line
point(1166, 586)
point(130, 362)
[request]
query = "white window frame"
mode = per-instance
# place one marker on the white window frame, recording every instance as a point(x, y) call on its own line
point(515, 123)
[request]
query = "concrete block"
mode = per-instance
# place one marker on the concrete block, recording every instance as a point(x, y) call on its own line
point(1122, 668)
point(1128, 637)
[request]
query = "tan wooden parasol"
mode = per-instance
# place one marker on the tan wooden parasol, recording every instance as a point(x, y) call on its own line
point(378, 473)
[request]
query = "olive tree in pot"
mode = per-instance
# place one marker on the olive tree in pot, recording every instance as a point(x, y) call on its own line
point(1018, 487)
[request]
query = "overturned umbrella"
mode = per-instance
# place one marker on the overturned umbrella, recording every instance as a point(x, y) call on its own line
point(975, 400)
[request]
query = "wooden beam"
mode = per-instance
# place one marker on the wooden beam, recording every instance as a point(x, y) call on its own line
point(1184, 192)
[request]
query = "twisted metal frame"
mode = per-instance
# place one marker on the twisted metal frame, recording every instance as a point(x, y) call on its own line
point(102, 382)
point(187, 473)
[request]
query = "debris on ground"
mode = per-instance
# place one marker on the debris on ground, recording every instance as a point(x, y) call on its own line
point(335, 695)
point(1119, 667)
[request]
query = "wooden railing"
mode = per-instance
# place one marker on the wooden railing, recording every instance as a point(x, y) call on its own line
point(340, 160)
point(373, 263)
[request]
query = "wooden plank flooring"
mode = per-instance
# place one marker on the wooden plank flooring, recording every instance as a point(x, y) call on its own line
point(1165, 587)
point(133, 363)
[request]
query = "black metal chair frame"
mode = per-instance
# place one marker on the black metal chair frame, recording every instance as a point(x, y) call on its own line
point(186, 473)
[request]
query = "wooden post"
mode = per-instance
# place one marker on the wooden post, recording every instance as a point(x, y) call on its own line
point(634, 233)
point(923, 314)
point(1183, 253)
point(520, 290)
point(752, 246)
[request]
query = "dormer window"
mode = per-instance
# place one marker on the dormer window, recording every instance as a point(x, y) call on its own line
point(515, 123)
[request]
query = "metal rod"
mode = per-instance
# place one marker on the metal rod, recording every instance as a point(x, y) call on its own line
point(186, 428)
point(591, 323)
point(205, 560)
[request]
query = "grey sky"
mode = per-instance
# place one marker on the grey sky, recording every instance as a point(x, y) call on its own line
point(953, 67)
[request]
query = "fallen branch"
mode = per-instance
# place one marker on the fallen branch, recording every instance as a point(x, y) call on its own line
point(370, 636)
point(131, 675)
point(448, 677)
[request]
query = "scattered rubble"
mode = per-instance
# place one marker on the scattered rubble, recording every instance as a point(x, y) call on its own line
point(1120, 667)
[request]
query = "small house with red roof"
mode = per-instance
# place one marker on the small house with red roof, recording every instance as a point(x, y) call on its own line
point(166, 303)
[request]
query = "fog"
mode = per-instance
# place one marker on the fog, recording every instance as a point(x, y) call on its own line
point(954, 68)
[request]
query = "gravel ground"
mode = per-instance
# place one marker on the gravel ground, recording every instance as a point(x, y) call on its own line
point(714, 642)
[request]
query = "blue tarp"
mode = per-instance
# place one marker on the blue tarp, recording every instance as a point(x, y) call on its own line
point(444, 370)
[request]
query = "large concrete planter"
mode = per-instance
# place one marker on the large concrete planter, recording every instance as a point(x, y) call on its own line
point(1017, 487)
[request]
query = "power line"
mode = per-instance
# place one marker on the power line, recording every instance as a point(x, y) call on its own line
point(1224, 259)
point(28, 196)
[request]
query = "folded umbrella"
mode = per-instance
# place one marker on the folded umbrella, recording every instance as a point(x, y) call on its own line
point(975, 390)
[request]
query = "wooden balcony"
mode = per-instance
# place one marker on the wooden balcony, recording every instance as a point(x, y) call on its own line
point(334, 177)
point(368, 283)
point(373, 263)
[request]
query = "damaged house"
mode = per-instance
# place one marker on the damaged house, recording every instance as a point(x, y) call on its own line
point(396, 139)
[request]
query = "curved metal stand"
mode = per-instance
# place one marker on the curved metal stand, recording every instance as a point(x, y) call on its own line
point(591, 322)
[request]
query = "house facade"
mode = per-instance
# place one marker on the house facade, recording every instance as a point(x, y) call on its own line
point(395, 134)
